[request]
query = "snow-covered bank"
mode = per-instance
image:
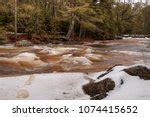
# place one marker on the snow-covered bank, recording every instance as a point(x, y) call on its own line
point(52, 86)
point(70, 86)
point(127, 87)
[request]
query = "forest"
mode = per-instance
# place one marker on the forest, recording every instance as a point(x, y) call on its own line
point(44, 20)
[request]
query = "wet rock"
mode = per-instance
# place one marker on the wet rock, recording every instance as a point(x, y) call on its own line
point(99, 96)
point(141, 71)
point(98, 90)
point(121, 82)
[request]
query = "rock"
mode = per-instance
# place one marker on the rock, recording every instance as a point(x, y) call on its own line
point(141, 71)
point(23, 43)
point(98, 90)
point(99, 96)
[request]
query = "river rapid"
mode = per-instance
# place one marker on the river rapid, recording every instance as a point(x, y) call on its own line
point(88, 57)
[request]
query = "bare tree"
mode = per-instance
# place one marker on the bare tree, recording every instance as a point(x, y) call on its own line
point(16, 29)
point(146, 2)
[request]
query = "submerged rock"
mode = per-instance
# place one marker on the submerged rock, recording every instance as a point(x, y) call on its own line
point(141, 71)
point(98, 90)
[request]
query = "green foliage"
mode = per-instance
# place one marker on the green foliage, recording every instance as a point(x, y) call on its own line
point(79, 17)
point(146, 12)
point(30, 20)
point(3, 38)
point(6, 15)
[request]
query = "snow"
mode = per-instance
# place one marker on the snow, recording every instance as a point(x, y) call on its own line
point(44, 86)
point(115, 75)
point(133, 88)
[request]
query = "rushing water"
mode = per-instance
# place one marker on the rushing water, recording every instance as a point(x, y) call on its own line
point(89, 57)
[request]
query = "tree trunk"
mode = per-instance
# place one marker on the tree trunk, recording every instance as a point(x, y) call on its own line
point(80, 33)
point(16, 29)
point(71, 27)
point(53, 8)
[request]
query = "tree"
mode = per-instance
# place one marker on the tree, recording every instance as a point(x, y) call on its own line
point(16, 19)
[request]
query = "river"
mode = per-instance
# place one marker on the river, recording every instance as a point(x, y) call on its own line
point(88, 57)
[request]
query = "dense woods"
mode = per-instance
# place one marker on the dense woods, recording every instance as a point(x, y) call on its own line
point(73, 19)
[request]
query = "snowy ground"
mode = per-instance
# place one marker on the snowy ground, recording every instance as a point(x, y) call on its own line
point(64, 86)
point(43, 86)
point(133, 87)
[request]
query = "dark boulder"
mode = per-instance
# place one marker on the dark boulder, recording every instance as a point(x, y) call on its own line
point(141, 71)
point(98, 90)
